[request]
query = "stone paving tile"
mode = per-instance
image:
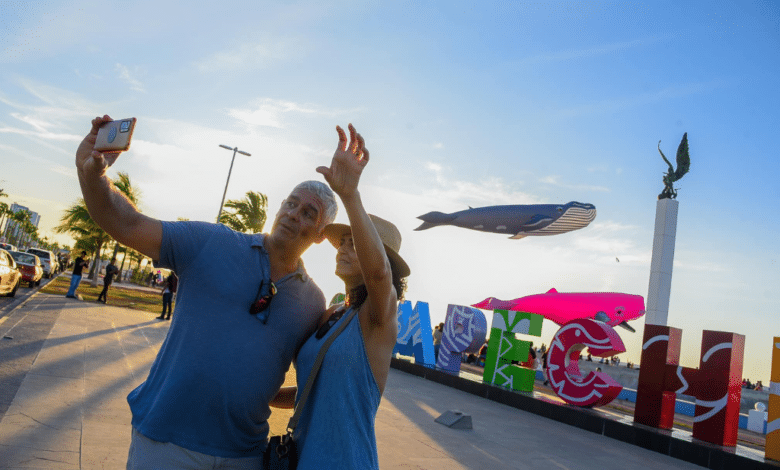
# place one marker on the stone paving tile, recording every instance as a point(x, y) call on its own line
point(502, 436)
point(71, 410)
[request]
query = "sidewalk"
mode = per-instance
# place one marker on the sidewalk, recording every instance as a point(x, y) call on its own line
point(70, 411)
point(125, 283)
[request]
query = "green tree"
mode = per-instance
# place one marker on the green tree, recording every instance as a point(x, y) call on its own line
point(30, 233)
point(5, 211)
point(21, 220)
point(124, 185)
point(246, 215)
point(3, 208)
point(77, 222)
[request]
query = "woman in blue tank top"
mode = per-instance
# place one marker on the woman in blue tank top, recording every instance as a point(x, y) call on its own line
point(336, 427)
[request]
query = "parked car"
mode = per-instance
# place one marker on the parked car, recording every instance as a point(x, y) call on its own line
point(7, 247)
point(10, 276)
point(30, 266)
point(48, 260)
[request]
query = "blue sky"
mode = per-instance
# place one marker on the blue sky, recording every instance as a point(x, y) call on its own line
point(461, 104)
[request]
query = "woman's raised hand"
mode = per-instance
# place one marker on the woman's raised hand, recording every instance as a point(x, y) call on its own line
point(347, 164)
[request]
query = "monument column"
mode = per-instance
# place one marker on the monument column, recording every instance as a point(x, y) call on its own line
point(662, 262)
point(663, 239)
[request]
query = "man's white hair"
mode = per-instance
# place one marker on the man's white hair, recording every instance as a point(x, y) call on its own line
point(325, 195)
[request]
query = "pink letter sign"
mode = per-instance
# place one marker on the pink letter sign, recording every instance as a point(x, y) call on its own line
point(595, 389)
point(716, 384)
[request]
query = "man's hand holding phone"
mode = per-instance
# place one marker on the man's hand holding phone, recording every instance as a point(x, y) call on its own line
point(102, 146)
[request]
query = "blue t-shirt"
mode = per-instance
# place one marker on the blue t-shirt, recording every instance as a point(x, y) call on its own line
point(336, 427)
point(209, 387)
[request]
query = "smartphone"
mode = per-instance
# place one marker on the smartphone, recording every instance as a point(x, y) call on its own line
point(114, 136)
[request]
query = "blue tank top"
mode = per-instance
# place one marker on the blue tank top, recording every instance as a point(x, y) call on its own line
point(336, 428)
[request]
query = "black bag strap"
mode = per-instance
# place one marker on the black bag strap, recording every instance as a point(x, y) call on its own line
point(315, 369)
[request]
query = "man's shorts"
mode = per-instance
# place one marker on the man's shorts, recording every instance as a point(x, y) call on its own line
point(146, 453)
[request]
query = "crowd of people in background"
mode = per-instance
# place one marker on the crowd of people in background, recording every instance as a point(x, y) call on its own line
point(536, 357)
point(478, 359)
point(747, 384)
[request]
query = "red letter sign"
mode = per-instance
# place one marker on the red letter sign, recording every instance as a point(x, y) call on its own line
point(716, 384)
point(595, 389)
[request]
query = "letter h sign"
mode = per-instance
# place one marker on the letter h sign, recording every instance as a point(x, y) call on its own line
point(716, 384)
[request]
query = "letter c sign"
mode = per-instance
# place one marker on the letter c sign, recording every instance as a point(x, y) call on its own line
point(596, 388)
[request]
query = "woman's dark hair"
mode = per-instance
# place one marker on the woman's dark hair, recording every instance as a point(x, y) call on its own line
point(356, 296)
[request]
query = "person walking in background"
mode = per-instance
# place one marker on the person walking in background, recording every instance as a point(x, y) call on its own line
point(169, 290)
point(437, 334)
point(75, 278)
point(111, 271)
point(482, 354)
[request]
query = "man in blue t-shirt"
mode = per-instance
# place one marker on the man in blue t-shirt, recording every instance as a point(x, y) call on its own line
point(233, 337)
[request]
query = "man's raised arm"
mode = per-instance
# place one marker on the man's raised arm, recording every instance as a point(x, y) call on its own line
point(107, 206)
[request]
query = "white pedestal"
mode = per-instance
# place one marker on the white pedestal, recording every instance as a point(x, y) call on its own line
point(662, 262)
point(756, 420)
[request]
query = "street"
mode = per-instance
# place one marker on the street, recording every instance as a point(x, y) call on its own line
point(23, 293)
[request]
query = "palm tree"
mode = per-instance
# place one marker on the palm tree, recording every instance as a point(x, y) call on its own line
point(21, 219)
point(134, 256)
point(78, 222)
point(246, 215)
point(124, 185)
point(30, 233)
point(3, 207)
point(4, 213)
point(133, 194)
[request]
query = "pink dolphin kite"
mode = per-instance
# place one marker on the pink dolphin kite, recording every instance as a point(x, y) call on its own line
point(612, 308)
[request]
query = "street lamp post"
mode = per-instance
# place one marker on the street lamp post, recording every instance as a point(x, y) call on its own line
point(235, 150)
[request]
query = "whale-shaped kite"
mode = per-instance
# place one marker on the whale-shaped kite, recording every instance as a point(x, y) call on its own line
point(612, 308)
point(518, 221)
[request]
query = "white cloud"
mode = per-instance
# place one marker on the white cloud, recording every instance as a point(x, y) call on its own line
point(268, 112)
point(42, 133)
point(595, 51)
point(252, 55)
point(438, 146)
point(124, 74)
point(485, 192)
point(65, 170)
point(630, 102)
point(555, 181)
point(706, 266)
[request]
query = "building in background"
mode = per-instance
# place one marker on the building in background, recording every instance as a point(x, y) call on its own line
point(13, 231)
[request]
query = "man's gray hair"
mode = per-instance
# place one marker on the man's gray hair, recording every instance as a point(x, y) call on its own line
point(325, 194)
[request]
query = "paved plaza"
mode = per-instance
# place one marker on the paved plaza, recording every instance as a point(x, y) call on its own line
point(69, 410)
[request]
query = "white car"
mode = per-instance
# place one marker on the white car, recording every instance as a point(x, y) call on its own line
point(48, 260)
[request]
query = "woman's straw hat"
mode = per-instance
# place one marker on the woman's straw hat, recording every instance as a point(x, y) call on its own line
point(388, 233)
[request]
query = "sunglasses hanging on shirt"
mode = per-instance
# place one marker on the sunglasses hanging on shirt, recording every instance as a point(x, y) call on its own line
point(265, 293)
